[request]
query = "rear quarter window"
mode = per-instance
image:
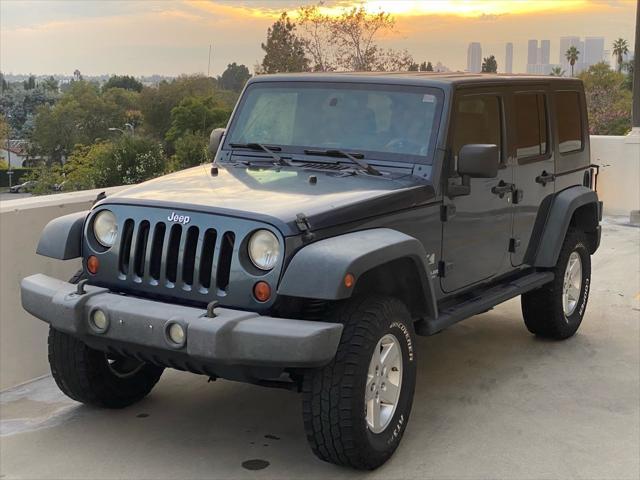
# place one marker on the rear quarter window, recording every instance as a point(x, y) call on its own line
point(569, 121)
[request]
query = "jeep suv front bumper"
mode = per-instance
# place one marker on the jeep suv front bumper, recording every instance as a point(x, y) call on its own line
point(139, 327)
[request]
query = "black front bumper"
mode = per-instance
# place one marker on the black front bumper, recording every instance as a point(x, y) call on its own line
point(138, 327)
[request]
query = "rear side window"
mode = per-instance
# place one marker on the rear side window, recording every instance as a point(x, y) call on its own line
point(530, 125)
point(477, 120)
point(569, 121)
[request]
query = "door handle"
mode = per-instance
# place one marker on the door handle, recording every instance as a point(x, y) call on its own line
point(545, 178)
point(503, 188)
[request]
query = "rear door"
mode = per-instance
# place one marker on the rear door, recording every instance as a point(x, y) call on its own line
point(475, 238)
point(531, 148)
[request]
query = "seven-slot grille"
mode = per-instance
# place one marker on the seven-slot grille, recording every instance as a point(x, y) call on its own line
point(175, 255)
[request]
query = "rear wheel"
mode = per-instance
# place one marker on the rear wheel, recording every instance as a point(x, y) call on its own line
point(556, 309)
point(357, 407)
point(96, 378)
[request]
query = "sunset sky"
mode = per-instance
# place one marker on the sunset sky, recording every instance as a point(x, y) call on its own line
point(143, 37)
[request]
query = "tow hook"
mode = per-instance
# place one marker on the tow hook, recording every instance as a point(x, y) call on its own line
point(80, 287)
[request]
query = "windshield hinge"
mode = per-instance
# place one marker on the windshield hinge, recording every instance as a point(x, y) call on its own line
point(304, 226)
point(447, 211)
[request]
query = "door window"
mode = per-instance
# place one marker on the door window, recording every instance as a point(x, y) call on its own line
point(477, 120)
point(530, 126)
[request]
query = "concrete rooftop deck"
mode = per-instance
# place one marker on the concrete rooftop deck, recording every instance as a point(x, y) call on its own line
point(491, 402)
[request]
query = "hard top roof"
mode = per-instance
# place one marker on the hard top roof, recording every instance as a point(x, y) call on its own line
point(414, 78)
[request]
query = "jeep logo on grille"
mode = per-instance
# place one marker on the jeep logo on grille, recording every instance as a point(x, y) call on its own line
point(183, 219)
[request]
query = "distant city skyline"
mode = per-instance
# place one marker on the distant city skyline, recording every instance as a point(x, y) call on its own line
point(145, 37)
point(538, 55)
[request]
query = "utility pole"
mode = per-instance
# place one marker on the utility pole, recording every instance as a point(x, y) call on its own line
point(209, 66)
point(636, 72)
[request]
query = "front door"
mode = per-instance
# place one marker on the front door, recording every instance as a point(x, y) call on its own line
point(477, 228)
point(531, 147)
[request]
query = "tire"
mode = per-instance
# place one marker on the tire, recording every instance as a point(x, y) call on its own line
point(544, 310)
point(88, 376)
point(335, 415)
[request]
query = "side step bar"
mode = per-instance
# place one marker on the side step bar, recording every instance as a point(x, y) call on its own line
point(482, 301)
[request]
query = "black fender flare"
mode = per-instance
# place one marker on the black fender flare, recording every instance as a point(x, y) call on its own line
point(561, 211)
point(61, 238)
point(318, 269)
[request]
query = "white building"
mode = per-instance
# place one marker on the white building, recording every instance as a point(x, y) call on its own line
point(508, 58)
point(474, 57)
point(593, 51)
point(538, 57)
point(15, 153)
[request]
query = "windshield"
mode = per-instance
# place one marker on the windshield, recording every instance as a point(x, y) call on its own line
point(389, 122)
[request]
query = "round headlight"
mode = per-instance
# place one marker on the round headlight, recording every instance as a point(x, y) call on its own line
point(105, 228)
point(264, 249)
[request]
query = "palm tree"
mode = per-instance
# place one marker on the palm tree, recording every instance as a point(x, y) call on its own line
point(572, 56)
point(557, 72)
point(620, 49)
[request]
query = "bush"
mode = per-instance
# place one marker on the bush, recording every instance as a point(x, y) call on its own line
point(191, 150)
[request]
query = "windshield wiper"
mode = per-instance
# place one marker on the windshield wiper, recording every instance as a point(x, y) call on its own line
point(356, 158)
point(271, 149)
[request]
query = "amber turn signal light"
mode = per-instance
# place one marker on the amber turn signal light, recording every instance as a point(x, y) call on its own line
point(262, 291)
point(93, 264)
point(349, 280)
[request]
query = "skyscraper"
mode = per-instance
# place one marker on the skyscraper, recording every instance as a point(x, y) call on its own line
point(508, 58)
point(474, 57)
point(565, 44)
point(593, 50)
point(545, 52)
point(532, 53)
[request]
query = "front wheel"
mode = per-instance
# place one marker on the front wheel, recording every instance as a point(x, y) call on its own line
point(96, 378)
point(556, 309)
point(357, 407)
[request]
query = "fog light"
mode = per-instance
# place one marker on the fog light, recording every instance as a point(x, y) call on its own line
point(176, 333)
point(99, 321)
point(262, 291)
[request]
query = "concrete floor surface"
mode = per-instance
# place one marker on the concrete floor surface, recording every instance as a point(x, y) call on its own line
point(492, 401)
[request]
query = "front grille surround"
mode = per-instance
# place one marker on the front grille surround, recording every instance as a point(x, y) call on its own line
point(199, 261)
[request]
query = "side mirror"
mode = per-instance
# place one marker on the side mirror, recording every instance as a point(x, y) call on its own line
point(479, 160)
point(214, 140)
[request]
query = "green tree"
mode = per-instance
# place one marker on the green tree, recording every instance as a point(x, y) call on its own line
point(30, 83)
point(4, 130)
point(234, 77)
point(81, 116)
point(572, 55)
point(628, 80)
point(430, 67)
point(197, 115)
point(123, 81)
point(156, 103)
point(46, 177)
point(414, 67)
point(620, 49)
point(284, 51)
point(608, 102)
point(557, 72)
point(490, 65)
point(50, 84)
point(129, 160)
point(191, 150)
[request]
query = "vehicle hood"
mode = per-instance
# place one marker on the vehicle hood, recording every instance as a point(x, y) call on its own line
point(278, 195)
